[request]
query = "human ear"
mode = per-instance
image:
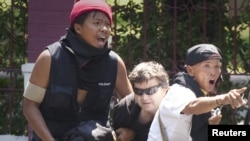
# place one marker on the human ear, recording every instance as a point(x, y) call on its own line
point(189, 70)
point(77, 28)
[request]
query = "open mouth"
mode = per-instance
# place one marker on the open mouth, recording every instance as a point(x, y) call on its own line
point(211, 82)
point(101, 39)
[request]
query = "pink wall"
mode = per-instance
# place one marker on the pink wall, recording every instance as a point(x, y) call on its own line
point(47, 21)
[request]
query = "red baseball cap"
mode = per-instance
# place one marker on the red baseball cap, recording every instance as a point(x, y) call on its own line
point(82, 6)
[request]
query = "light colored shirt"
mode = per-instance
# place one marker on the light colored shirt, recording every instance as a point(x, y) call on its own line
point(177, 126)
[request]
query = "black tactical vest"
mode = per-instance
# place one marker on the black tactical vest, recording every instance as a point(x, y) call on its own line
point(59, 107)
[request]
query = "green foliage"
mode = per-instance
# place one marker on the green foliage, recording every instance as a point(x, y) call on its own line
point(12, 119)
point(13, 43)
point(13, 39)
point(154, 34)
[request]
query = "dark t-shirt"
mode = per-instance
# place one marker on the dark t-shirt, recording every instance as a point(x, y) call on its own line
point(126, 114)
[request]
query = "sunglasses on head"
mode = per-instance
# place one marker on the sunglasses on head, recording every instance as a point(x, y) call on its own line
point(148, 91)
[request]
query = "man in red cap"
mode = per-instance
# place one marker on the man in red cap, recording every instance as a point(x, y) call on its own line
point(74, 78)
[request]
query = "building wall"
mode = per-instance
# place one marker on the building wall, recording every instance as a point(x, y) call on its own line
point(47, 22)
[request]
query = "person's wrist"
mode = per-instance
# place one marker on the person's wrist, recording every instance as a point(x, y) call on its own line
point(218, 101)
